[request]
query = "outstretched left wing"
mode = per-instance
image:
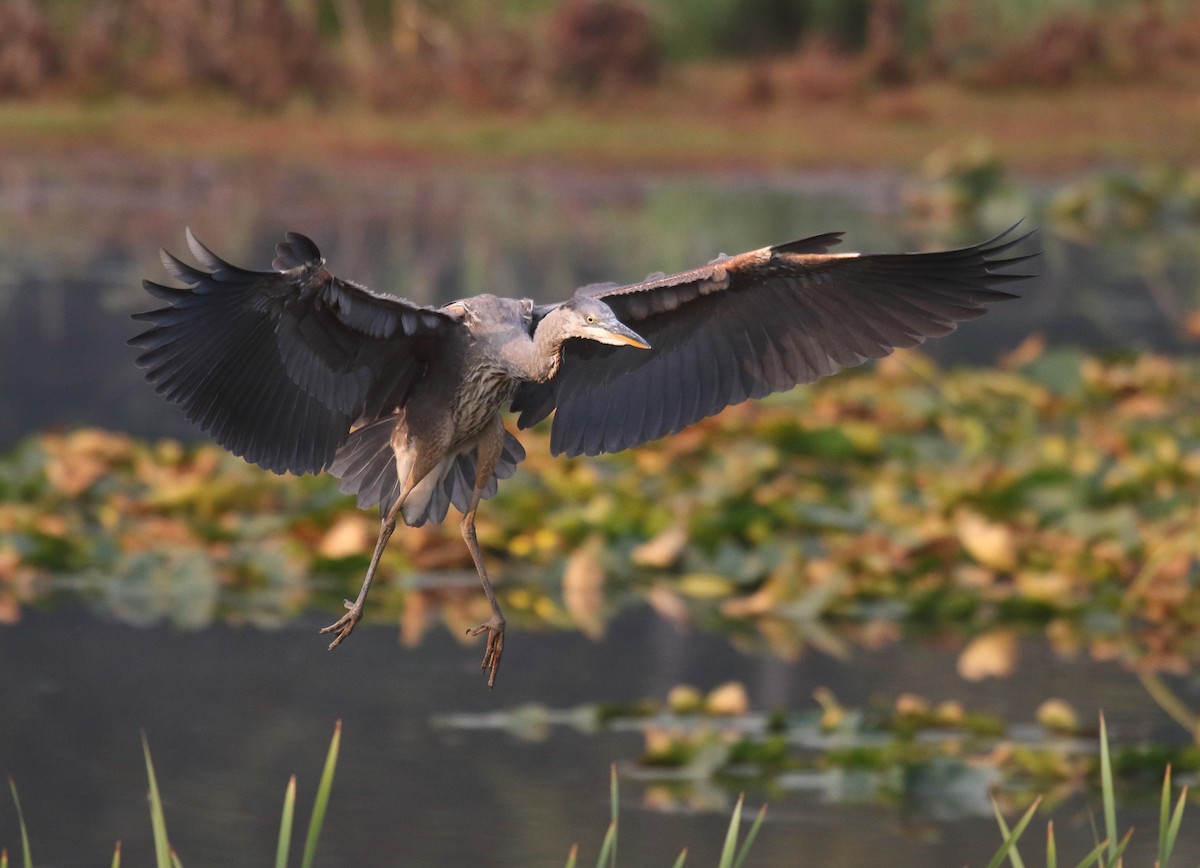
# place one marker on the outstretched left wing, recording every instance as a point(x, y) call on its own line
point(745, 326)
point(277, 365)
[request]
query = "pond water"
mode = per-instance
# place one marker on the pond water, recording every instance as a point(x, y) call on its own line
point(231, 711)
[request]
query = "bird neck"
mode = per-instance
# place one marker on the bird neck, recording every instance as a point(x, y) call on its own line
point(546, 347)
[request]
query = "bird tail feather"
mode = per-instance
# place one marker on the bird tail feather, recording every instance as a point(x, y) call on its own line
point(369, 468)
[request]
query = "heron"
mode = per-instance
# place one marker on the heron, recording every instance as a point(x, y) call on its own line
point(298, 371)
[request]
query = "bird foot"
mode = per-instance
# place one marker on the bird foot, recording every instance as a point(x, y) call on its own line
point(495, 646)
point(344, 625)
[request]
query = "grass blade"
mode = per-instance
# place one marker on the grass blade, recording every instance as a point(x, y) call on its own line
point(26, 856)
point(1013, 856)
point(283, 848)
point(158, 821)
point(175, 863)
point(116, 862)
point(1094, 856)
point(3, 859)
point(680, 860)
point(572, 856)
point(731, 834)
point(1164, 815)
point(744, 851)
point(1051, 849)
point(609, 846)
point(1173, 829)
point(1121, 849)
point(1107, 794)
point(317, 820)
point(1168, 821)
point(612, 787)
point(1010, 838)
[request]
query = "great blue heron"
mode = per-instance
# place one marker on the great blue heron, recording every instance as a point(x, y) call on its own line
point(297, 370)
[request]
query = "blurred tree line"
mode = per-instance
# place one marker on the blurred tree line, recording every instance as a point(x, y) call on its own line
point(397, 54)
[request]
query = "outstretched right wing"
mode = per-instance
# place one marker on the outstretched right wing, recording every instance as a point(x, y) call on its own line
point(745, 326)
point(277, 365)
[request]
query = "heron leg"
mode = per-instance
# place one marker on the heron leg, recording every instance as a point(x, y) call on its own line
point(344, 625)
point(488, 453)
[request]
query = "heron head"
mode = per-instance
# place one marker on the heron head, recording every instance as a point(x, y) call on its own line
point(594, 320)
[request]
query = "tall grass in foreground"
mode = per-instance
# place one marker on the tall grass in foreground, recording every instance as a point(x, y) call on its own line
point(1108, 852)
point(166, 857)
point(731, 855)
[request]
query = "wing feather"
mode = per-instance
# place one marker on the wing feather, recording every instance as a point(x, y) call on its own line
point(748, 325)
point(277, 365)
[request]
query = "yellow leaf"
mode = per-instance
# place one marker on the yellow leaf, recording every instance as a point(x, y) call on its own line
point(350, 535)
point(730, 699)
point(991, 655)
point(583, 589)
point(685, 699)
point(1049, 587)
point(911, 705)
point(661, 551)
point(989, 543)
point(705, 586)
point(1057, 715)
point(668, 604)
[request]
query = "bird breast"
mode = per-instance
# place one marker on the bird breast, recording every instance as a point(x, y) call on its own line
point(482, 392)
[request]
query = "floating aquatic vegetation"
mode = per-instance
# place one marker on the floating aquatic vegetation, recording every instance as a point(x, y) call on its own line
point(1058, 494)
point(940, 760)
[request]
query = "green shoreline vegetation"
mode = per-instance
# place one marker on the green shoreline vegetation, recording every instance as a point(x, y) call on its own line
point(731, 83)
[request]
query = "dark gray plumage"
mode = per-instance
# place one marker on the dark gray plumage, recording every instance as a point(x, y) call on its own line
point(297, 370)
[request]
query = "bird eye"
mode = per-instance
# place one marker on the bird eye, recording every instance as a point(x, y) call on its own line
point(591, 319)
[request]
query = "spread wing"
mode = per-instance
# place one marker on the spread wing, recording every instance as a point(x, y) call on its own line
point(277, 365)
point(748, 325)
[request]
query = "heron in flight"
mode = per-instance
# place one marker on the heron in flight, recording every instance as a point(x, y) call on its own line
point(299, 371)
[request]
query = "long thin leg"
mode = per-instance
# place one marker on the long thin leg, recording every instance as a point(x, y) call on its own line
point(344, 625)
point(488, 453)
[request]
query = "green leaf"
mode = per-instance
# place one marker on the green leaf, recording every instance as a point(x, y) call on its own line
point(572, 856)
point(158, 822)
point(116, 862)
point(680, 860)
point(1051, 849)
point(317, 820)
point(284, 846)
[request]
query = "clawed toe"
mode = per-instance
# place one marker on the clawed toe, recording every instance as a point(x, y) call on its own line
point(495, 646)
point(344, 625)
